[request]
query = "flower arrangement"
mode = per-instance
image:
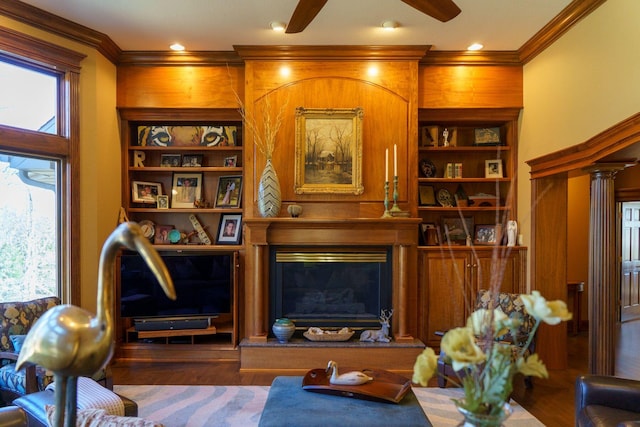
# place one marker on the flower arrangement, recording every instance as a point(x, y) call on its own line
point(486, 365)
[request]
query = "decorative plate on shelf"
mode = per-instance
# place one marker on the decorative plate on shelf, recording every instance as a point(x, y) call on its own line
point(148, 228)
point(444, 198)
point(427, 168)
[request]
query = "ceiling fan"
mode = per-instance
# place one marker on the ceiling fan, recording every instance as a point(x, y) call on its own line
point(306, 10)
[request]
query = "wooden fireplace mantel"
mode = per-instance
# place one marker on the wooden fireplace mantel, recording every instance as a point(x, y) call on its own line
point(401, 234)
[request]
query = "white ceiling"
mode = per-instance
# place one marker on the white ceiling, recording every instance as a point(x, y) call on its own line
point(217, 25)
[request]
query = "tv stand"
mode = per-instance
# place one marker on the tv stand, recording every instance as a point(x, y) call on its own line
point(170, 333)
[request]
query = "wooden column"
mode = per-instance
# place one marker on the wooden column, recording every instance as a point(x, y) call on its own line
point(603, 293)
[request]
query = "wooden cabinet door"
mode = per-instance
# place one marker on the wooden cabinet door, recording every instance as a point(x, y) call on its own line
point(508, 266)
point(443, 281)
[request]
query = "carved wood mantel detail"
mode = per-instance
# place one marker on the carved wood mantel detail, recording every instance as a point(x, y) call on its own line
point(401, 234)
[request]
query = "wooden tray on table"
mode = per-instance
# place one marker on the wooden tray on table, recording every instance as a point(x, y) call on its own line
point(385, 387)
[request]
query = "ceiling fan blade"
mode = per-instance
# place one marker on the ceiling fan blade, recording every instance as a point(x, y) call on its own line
point(442, 10)
point(305, 11)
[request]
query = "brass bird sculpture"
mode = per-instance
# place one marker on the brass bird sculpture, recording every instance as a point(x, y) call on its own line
point(70, 341)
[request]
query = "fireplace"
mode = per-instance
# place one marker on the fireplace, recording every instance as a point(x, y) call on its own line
point(330, 287)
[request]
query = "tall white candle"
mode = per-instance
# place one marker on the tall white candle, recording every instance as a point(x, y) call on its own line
point(395, 160)
point(386, 165)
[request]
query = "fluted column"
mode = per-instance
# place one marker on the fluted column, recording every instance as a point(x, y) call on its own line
point(603, 291)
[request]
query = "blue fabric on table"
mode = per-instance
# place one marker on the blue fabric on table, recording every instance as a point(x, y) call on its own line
point(289, 405)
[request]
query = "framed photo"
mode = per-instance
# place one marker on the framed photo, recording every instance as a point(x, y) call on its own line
point(487, 136)
point(192, 160)
point(493, 168)
point(455, 229)
point(163, 202)
point(230, 162)
point(229, 230)
point(229, 192)
point(328, 157)
point(145, 192)
point(427, 195)
point(162, 234)
point(170, 160)
point(429, 136)
point(209, 135)
point(186, 189)
point(487, 234)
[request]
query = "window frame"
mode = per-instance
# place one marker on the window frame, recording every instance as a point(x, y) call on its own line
point(24, 50)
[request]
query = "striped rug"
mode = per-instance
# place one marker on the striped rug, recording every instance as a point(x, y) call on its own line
point(241, 406)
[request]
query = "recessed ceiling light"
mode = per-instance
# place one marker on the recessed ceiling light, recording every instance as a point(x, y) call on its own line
point(278, 26)
point(177, 47)
point(389, 25)
point(475, 46)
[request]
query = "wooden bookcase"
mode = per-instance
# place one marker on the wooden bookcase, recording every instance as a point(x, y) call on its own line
point(146, 163)
point(452, 270)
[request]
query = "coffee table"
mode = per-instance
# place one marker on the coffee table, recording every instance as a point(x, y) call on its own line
point(289, 405)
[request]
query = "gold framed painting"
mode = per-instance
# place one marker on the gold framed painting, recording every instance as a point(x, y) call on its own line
point(328, 158)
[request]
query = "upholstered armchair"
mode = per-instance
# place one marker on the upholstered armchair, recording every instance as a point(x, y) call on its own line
point(16, 319)
point(512, 305)
point(603, 401)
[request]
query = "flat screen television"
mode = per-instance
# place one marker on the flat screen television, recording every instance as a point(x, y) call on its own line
point(203, 283)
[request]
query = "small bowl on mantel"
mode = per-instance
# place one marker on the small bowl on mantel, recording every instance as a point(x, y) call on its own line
point(294, 210)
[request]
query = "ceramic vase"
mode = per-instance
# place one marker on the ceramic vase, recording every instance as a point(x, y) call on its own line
point(269, 196)
point(283, 329)
point(483, 420)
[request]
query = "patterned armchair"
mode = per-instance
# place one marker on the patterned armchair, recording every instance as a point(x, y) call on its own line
point(16, 319)
point(513, 307)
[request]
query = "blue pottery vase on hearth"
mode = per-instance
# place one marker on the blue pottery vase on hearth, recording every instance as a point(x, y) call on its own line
point(283, 329)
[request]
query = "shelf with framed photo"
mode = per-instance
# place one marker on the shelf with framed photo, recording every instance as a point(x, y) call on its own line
point(185, 159)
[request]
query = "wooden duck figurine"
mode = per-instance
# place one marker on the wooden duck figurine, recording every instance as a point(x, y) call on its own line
point(350, 378)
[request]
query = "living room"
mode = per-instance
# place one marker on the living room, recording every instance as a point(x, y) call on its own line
point(558, 85)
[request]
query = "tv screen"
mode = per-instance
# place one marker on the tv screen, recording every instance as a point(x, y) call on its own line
point(203, 283)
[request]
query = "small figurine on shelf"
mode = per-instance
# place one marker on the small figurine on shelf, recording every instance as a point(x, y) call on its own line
point(445, 137)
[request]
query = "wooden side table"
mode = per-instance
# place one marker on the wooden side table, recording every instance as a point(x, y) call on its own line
point(575, 290)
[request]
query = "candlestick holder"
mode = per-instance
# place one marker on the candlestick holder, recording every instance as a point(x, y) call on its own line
point(386, 213)
point(395, 207)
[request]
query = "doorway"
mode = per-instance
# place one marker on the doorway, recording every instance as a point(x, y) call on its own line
point(629, 261)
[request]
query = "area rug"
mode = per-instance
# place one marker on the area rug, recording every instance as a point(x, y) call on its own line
point(241, 406)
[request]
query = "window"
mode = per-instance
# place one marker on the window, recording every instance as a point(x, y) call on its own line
point(29, 98)
point(29, 224)
point(38, 159)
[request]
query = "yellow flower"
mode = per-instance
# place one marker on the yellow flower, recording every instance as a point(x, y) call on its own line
point(533, 366)
point(551, 313)
point(459, 344)
point(480, 320)
point(425, 367)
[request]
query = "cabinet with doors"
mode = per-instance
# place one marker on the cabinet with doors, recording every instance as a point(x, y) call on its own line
point(466, 196)
point(182, 176)
point(449, 282)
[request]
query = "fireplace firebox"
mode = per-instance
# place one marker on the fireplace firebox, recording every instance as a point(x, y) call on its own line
point(330, 287)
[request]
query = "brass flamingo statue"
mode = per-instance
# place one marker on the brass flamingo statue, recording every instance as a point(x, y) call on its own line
point(70, 341)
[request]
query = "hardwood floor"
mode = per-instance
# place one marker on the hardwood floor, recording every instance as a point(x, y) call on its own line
point(551, 400)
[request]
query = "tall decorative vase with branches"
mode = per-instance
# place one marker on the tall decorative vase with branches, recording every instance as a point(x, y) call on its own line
point(264, 136)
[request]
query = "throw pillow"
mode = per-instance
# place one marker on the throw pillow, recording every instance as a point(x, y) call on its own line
point(17, 341)
point(99, 418)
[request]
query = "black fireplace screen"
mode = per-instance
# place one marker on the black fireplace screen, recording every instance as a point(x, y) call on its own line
point(330, 288)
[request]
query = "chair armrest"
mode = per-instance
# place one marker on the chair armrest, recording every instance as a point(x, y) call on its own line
point(607, 391)
point(9, 355)
point(31, 375)
point(12, 416)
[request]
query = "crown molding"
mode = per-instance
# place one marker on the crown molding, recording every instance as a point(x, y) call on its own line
point(567, 18)
point(41, 19)
point(55, 24)
point(334, 52)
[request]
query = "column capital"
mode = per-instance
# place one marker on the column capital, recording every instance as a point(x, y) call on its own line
point(607, 170)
